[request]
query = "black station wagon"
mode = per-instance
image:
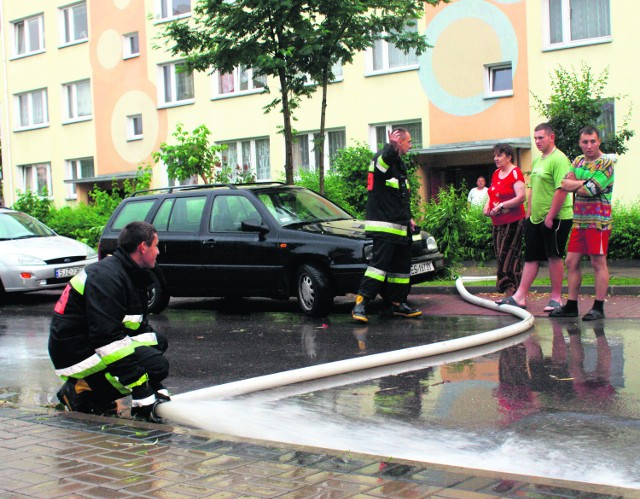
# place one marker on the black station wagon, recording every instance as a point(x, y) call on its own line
point(256, 240)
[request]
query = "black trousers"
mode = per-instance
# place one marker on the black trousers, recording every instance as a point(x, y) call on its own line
point(388, 273)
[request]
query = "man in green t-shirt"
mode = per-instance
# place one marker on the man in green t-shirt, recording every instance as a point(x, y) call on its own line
point(549, 219)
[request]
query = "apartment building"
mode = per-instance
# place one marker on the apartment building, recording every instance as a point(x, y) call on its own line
point(89, 93)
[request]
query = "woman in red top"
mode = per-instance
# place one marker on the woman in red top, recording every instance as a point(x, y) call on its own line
point(505, 207)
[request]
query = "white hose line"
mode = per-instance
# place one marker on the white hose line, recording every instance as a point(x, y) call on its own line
point(276, 380)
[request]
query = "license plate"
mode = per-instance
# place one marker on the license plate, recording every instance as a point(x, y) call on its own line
point(68, 272)
point(421, 268)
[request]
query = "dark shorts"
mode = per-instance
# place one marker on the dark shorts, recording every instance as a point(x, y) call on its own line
point(541, 242)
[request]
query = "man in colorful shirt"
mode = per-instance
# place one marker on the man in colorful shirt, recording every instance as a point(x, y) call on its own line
point(591, 179)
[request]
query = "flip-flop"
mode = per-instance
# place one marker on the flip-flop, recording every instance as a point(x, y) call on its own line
point(551, 306)
point(509, 300)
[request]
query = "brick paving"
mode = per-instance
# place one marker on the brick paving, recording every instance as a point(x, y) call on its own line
point(46, 453)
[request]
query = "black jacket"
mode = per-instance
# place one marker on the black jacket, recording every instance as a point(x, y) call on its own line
point(96, 317)
point(388, 203)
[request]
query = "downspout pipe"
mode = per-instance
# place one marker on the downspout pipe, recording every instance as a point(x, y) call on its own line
point(276, 380)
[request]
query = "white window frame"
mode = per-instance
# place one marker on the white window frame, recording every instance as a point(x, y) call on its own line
point(169, 71)
point(386, 49)
point(135, 129)
point(565, 16)
point(73, 111)
point(237, 79)
point(30, 181)
point(236, 147)
point(490, 71)
point(417, 140)
point(164, 9)
point(30, 99)
point(312, 157)
point(22, 35)
point(129, 43)
point(74, 172)
point(68, 35)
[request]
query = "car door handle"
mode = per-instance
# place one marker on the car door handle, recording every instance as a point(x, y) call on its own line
point(209, 242)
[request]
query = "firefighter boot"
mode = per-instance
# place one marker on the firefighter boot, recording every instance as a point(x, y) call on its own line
point(403, 309)
point(72, 395)
point(359, 311)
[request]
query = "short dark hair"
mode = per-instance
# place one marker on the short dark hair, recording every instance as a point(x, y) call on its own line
point(546, 127)
point(589, 130)
point(135, 233)
point(502, 147)
point(403, 131)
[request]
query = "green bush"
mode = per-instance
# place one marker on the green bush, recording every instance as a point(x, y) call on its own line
point(39, 207)
point(624, 242)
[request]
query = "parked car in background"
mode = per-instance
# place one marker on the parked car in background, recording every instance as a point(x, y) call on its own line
point(256, 240)
point(33, 257)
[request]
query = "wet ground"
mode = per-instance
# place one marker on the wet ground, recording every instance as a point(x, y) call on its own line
point(561, 401)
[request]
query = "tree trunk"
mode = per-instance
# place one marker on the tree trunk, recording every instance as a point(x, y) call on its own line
point(288, 137)
point(320, 143)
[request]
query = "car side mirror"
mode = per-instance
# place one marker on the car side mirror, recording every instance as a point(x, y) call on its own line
point(254, 225)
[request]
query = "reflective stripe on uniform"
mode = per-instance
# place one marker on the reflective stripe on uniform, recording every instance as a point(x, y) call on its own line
point(385, 227)
point(398, 278)
point(393, 183)
point(143, 402)
point(146, 339)
point(78, 281)
point(381, 165)
point(132, 321)
point(115, 351)
point(374, 273)
point(83, 368)
point(140, 381)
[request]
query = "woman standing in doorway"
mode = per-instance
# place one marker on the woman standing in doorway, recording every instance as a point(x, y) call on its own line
point(506, 209)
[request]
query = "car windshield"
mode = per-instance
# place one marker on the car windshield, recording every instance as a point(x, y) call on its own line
point(16, 225)
point(301, 206)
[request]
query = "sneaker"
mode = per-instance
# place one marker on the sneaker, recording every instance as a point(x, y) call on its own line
point(359, 312)
point(405, 310)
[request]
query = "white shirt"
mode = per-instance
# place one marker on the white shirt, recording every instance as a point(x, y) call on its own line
point(478, 197)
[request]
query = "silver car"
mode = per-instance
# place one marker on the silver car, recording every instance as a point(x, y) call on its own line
point(33, 257)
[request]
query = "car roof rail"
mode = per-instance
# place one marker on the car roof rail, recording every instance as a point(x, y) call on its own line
point(178, 188)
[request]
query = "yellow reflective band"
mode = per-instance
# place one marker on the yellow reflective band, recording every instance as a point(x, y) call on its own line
point(141, 381)
point(146, 339)
point(381, 165)
point(115, 382)
point(416, 237)
point(398, 278)
point(393, 183)
point(83, 368)
point(374, 273)
point(132, 321)
point(385, 227)
point(115, 351)
point(78, 281)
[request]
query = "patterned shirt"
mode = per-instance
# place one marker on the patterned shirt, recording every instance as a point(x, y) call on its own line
point(593, 211)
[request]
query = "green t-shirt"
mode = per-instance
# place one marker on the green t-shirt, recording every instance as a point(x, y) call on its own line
point(546, 177)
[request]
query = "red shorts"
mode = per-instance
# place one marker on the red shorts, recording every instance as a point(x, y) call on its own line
point(589, 241)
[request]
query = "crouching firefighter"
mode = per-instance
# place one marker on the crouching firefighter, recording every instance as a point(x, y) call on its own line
point(390, 224)
point(100, 339)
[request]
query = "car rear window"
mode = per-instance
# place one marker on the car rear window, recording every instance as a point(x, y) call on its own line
point(134, 211)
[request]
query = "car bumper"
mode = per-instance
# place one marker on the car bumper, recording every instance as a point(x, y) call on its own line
point(41, 277)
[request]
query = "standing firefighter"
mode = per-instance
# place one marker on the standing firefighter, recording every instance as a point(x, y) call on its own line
point(390, 224)
point(101, 342)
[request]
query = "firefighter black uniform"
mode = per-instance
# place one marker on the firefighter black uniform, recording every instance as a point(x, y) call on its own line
point(388, 223)
point(101, 343)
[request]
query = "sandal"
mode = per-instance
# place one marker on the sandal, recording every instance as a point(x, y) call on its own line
point(509, 300)
point(551, 306)
point(593, 315)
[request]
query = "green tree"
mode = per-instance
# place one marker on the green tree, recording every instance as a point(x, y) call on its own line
point(342, 28)
point(576, 101)
point(193, 155)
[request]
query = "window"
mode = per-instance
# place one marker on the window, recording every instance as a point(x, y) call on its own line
point(228, 213)
point(177, 85)
point(133, 211)
point(240, 81)
point(37, 178)
point(167, 9)
point(606, 123)
point(246, 157)
point(130, 45)
point(387, 57)
point(28, 36)
point(307, 157)
point(77, 97)
point(180, 214)
point(74, 24)
point(576, 22)
point(498, 80)
point(78, 169)
point(134, 127)
point(32, 109)
point(381, 134)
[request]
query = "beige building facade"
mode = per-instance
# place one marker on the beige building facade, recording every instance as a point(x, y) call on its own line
point(89, 93)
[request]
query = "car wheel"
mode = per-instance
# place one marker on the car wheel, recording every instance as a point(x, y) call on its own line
point(158, 295)
point(314, 293)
